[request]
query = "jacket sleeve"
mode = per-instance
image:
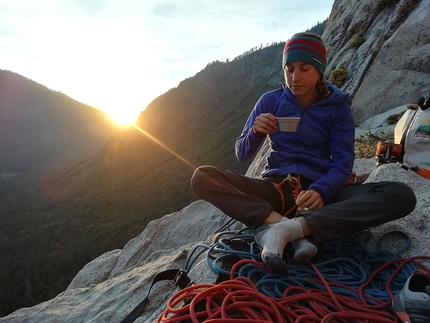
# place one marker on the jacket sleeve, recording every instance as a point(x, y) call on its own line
point(342, 140)
point(248, 143)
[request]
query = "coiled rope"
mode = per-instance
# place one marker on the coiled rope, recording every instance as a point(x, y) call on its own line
point(345, 283)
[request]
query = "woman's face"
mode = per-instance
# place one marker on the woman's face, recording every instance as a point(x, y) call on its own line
point(302, 78)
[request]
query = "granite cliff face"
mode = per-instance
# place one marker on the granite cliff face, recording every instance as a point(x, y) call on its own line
point(389, 69)
point(392, 64)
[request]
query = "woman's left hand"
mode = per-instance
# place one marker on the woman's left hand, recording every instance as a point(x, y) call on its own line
point(309, 200)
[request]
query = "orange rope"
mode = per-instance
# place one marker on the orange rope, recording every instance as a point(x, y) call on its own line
point(238, 300)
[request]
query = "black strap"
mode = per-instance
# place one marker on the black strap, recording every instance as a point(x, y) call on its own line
point(180, 278)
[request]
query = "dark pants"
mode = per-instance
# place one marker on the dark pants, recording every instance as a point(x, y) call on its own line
point(353, 209)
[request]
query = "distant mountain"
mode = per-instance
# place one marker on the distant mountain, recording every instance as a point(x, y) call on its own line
point(52, 225)
point(210, 109)
point(43, 128)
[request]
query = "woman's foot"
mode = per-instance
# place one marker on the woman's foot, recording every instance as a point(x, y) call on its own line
point(273, 238)
point(304, 251)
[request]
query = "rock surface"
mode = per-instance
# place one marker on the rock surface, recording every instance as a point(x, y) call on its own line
point(392, 66)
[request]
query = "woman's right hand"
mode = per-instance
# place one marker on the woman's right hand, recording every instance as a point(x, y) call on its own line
point(265, 124)
point(309, 199)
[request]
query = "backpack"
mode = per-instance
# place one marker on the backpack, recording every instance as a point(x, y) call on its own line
point(412, 135)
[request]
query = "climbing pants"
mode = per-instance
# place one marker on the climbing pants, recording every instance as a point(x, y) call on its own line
point(353, 209)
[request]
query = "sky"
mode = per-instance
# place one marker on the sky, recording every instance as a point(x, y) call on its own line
point(119, 55)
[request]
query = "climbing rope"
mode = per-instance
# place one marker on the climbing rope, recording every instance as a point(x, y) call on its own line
point(345, 283)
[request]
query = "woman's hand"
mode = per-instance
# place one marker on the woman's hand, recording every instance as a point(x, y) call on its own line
point(309, 200)
point(265, 124)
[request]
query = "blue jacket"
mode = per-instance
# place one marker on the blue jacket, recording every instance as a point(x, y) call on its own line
point(321, 149)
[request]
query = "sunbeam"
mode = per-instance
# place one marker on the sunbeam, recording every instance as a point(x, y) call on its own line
point(164, 146)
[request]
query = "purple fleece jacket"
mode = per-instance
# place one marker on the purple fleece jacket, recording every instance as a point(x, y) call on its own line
point(322, 147)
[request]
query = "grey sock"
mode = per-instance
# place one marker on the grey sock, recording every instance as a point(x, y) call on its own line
point(273, 238)
point(304, 251)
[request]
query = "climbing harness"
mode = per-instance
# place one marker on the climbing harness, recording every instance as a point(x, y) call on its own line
point(297, 188)
point(295, 182)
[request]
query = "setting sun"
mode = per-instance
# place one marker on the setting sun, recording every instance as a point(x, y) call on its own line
point(123, 116)
point(121, 112)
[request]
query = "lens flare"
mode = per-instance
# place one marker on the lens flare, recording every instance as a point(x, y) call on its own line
point(164, 146)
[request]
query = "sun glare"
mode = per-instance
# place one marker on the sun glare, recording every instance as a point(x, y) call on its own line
point(124, 116)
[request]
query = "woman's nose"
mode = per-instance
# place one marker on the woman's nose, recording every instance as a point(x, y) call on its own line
point(295, 76)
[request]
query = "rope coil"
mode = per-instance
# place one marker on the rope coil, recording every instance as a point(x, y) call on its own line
point(346, 283)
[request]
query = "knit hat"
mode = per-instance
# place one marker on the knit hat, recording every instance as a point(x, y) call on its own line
point(308, 48)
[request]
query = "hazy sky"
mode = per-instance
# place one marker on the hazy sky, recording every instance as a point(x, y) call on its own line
point(119, 55)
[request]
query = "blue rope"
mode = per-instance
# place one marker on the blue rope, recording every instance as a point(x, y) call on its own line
point(224, 251)
point(220, 246)
point(345, 262)
point(405, 236)
point(191, 258)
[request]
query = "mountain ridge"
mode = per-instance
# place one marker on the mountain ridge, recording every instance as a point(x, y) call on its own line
point(38, 126)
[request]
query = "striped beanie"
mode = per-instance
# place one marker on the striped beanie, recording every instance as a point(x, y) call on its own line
point(308, 48)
